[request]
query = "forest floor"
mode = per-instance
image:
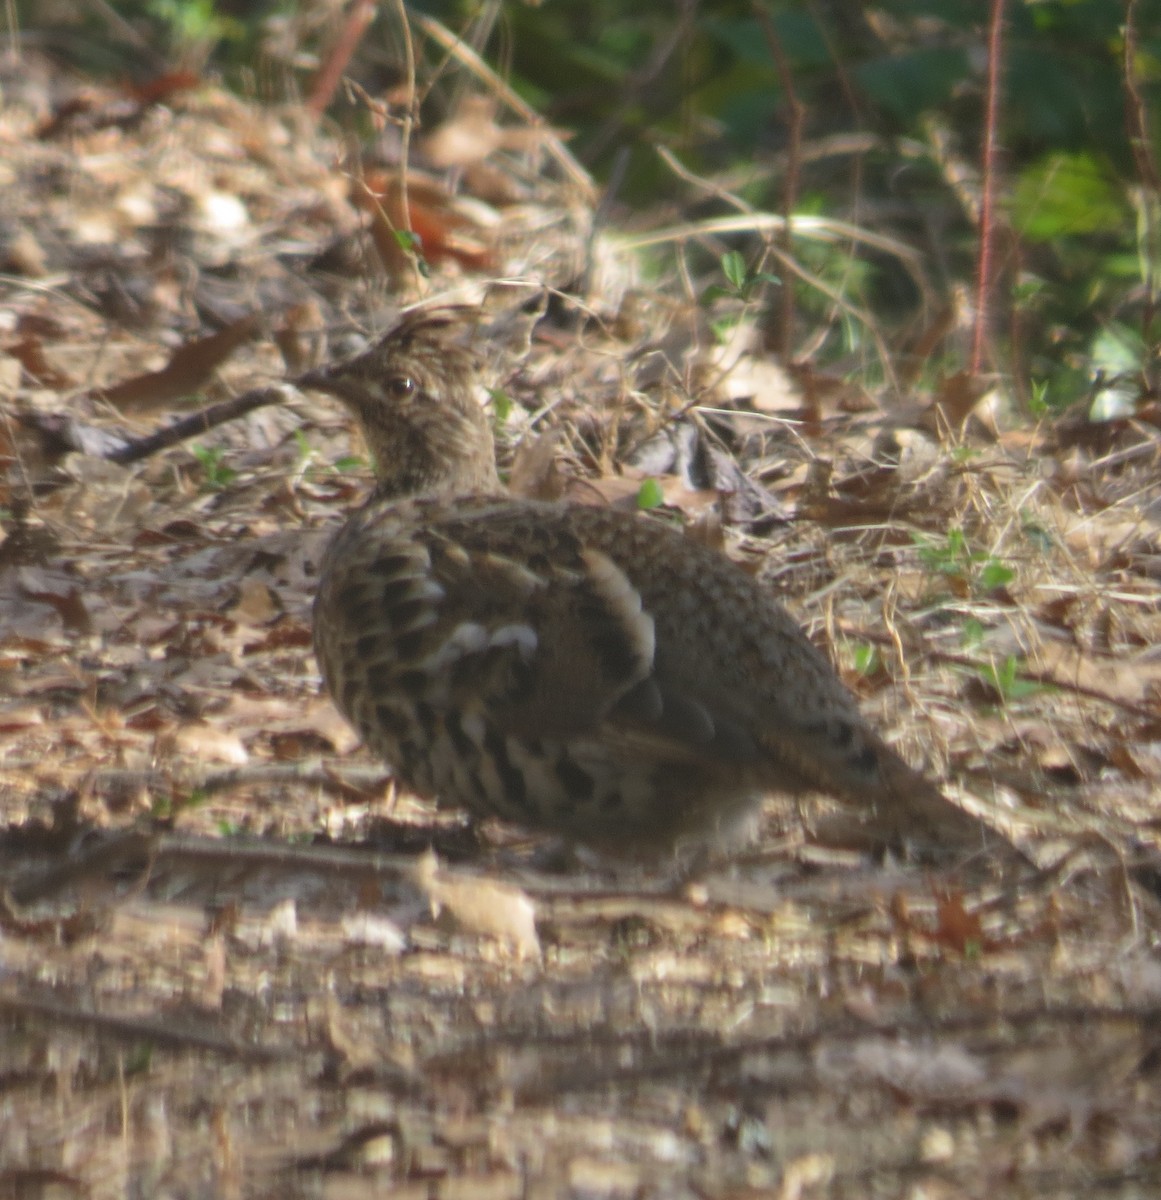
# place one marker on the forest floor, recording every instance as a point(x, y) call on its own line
point(229, 965)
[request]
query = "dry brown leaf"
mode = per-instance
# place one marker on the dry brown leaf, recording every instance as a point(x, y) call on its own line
point(534, 472)
point(186, 373)
point(29, 352)
point(471, 134)
point(467, 137)
point(694, 502)
point(285, 635)
point(208, 742)
point(957, 396)
point(20, 717)
point(766, 385)
point(362, 928)
point(1131, 680)
point(61, 594)
point(299, 336)
point(447, 228)
point(162, 87)
point(481, 906)
point(11, 371)
point(214, 964)
point(958, 928)
point(288, 716)
point(257, 603)
point(23, 254)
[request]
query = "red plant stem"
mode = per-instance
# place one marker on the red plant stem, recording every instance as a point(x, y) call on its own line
point(797, 120)
point(1148, 176)
point(331, 72)
point(990, 172)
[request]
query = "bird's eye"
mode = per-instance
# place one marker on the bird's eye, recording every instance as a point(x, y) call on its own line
point(399, 387)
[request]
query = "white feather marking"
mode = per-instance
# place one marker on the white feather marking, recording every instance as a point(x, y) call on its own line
point(472, 723)
point(467, 638)
point(523, 637)
point(426, 588)
point(421, 620)
point(625, 600)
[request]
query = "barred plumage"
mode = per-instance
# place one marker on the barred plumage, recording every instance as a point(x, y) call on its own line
point(571, 668)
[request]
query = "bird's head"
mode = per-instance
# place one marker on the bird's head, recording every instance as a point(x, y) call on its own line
point(414, 395)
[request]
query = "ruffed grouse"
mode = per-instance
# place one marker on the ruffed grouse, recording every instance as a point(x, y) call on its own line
point(575, 669)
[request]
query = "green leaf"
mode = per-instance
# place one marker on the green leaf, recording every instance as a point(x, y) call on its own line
point(501, 405)
point(305, 450)
point(734, 268)
point(217, 474)
point(138, 1059)
point(650, 495)
point(801, 38)
point(1037, 534)
point(1065, 194)
point(412, 244)
point(1117, 350)
point(910, 83)
point(995, 575)
point(948, 557)
point(972, 633)
point(1005, 677)
point(408, 241)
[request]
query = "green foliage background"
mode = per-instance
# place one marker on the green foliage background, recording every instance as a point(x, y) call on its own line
point(901, 80)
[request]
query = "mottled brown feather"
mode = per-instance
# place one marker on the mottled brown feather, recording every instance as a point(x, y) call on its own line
point(572, 668)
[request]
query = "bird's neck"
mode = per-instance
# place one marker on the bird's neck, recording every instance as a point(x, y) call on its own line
point(457, 459)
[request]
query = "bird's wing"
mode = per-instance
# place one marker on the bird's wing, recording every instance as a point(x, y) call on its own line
point(511, 613)
point(591, 657)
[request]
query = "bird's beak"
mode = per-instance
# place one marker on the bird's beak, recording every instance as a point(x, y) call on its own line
point(321, 379)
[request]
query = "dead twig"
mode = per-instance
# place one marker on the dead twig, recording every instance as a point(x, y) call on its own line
point(199, 422)
point(161, 1031)
point(1025, 674)
point(62, 434)
point(326, 81)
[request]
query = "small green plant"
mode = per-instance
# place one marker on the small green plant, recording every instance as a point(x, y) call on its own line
point(954, 559)
point(1007, 677)
point(866, 658)
point(501, 406)
point(194, 22)
point(412, 245)
point(1038, 405)
point(138, 1059)
point(217, 474)
point(972, 633)
point(943, 558)
point(994, 574)
point(1036, 533)
point(650, 495)
point(741, 282)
